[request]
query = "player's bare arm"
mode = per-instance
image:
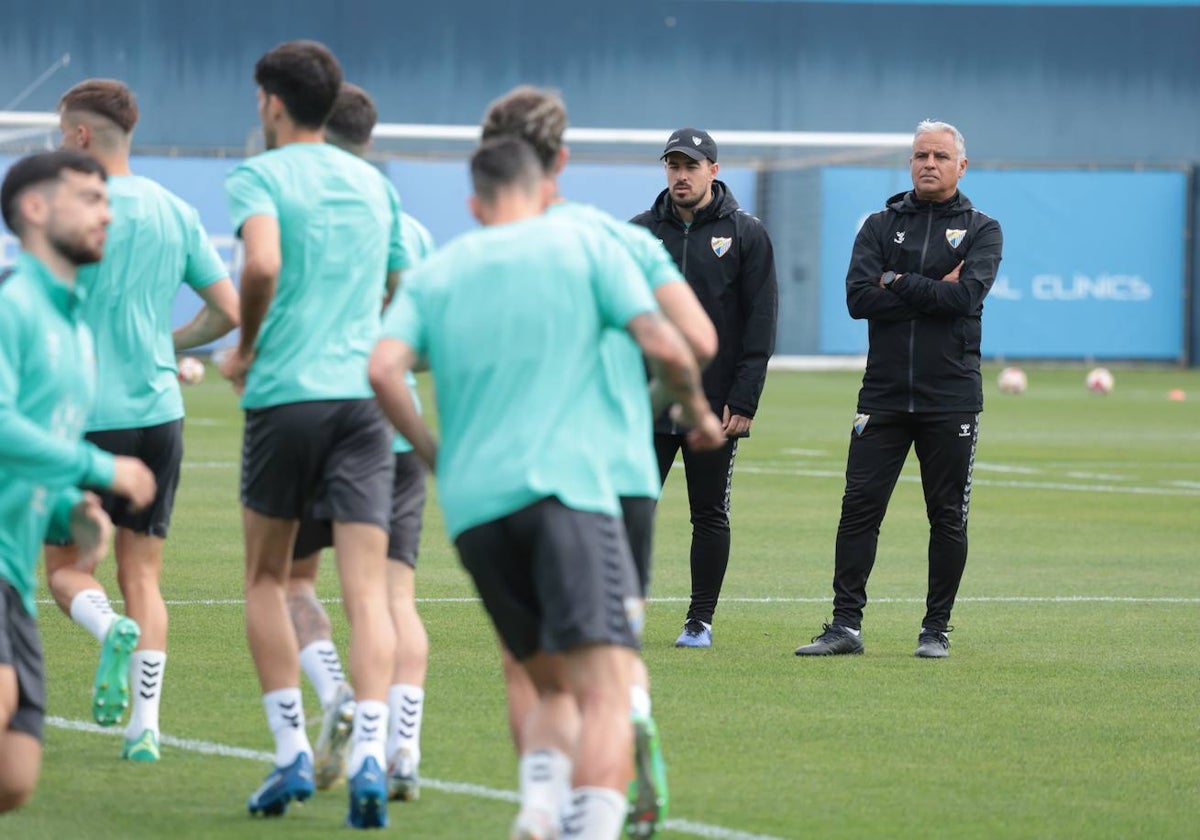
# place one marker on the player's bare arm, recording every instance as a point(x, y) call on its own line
point(390, 361)
point(220, 314)
point(674, 365)
point(683, 309)
point(260, 236)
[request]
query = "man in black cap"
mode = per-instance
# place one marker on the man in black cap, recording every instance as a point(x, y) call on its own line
point(726, 256)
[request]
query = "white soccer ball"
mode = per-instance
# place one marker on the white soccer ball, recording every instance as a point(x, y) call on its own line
point(1012, 380)
point(191, 370)
point(1100, 380)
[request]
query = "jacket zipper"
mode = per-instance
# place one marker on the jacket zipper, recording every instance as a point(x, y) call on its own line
point(912, 325)
point(683, 266)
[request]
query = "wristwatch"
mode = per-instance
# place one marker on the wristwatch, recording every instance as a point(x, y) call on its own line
point(890, 277)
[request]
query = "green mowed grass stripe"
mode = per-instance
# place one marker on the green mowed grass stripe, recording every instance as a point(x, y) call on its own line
point(1066, 709)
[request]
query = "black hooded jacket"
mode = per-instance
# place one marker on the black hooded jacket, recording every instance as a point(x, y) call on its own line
point(925, 333)
point(727, 258)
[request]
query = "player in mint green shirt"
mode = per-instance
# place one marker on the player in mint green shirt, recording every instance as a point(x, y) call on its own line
point(56, 203)
point(349, 127)
point(511, 320)
point(321, 230)
point(155, 245)
point(539, 117)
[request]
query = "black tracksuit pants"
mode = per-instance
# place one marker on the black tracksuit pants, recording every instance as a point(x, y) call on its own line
point(709, 479)
point(945, 447)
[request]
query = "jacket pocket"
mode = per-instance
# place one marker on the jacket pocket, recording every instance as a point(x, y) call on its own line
point(968, 333)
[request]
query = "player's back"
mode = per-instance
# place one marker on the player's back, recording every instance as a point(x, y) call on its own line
point(511, 320)
point(339, 225)
point(635, 466)
point(155, 244)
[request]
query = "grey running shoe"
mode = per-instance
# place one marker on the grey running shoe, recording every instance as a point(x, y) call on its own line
point(932, 644)
point(833, 641)
point(404, 783)
point(694, 635)
point(333, 743)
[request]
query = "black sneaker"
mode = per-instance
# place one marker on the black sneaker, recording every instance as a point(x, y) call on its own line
point(933, 644)
point(833, 641)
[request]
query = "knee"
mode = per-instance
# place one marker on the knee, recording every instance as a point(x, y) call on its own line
point(137, 579)
point(948, 523)
point(711, 517)
point(15, 794)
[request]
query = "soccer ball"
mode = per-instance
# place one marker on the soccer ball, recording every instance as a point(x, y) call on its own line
point(1012, 380)
point(1100, 380)
point(191, 370)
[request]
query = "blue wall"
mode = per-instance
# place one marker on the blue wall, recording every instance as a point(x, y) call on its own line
point(1025, 83)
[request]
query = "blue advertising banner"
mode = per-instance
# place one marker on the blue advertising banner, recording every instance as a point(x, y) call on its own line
point(1093, 260)
point(433, 191)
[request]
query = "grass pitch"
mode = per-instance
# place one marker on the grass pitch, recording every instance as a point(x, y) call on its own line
point(1068, 707)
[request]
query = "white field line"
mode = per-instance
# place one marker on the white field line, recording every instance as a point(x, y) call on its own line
point(696, 829)
point(1172, 488)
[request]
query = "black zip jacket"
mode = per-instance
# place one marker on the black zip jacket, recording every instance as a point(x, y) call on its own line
point(924, 332)
point(727, 258)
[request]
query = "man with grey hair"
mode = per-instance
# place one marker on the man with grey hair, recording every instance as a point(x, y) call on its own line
point(919, 272)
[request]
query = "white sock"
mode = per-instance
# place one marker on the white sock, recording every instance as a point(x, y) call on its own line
point(545, 777)
point(596, 814)
point(92, 611)
point(323, 667)
point(406, 706)
point(145, 683)
point(851, 630)
point(285, 718)
point(370, 731)
point(639, 702)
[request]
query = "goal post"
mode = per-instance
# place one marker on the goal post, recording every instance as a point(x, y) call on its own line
point(27, 131)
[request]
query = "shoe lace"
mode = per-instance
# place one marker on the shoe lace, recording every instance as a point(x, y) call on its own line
point(941, 637)
point(693, 627)
point(829, 633)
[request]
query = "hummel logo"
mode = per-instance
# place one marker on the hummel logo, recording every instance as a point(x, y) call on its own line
point(964, 430)
point(899, 237)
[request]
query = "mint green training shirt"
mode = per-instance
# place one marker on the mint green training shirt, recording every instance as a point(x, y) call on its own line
point(155, 244)
point(339, 228)
point(635, 464)
point(47, 383)
point(511, 319)
point(418, 241)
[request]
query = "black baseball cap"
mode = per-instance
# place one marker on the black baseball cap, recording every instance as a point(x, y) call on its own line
point(693, 142)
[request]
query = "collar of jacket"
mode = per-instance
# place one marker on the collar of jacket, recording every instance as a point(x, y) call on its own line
point(907, 202)
point(723, 204)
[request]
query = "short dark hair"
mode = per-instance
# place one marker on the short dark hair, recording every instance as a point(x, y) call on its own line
point(305, 75)
point(108, 98)
point(353, 116)
point(536, 115)
point(33, 170)
point(502, 163)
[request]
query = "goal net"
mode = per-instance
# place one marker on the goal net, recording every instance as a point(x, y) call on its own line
point(775, 174)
